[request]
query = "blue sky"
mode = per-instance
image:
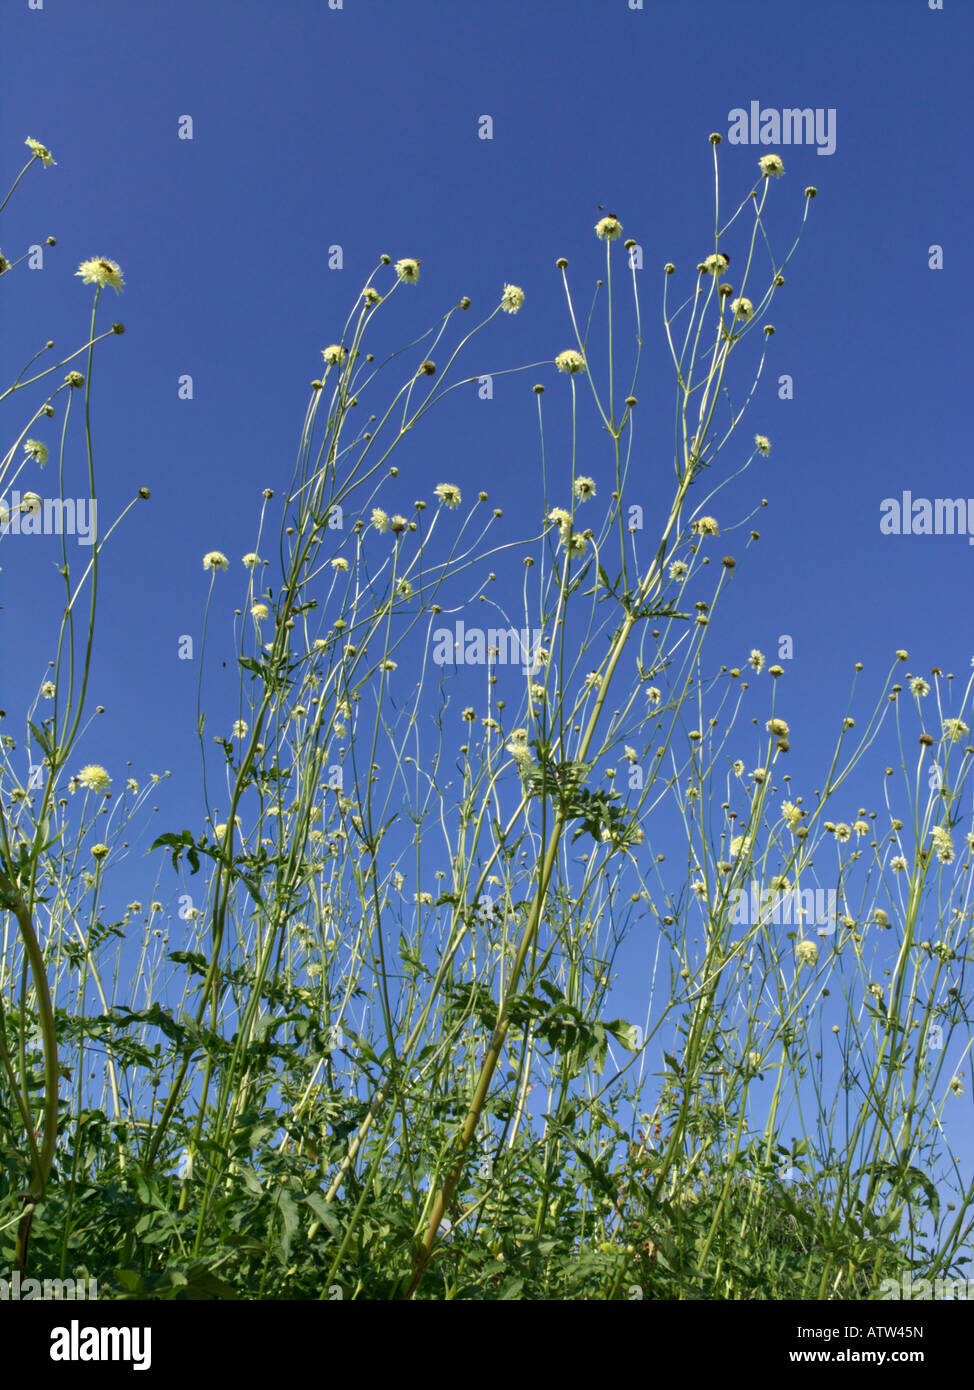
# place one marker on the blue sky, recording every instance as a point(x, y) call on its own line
point(358, 127)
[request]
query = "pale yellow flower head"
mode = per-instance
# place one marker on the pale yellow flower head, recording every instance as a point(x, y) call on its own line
point(448, 494)
point(608, 228)
point(570, 361)
point(95, 778)
point(215, 560)
point(41, 151)
point(512, 299)
point(101, 272)
point(806, 953)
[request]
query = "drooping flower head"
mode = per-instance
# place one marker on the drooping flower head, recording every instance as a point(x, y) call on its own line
point(40, 151)
point(806, 953)
point(771, 166)
point(570, 361)
point(512, 299)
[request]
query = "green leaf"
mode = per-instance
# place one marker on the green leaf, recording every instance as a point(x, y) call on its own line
point(325, 1213)
point(625, 1033)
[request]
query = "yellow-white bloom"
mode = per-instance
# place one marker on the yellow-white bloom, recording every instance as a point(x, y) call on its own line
point(570, 361)
point(608, 228)
point(512, 299)
point(448, 494)
point(95, 778)
point(41, 151)
point(101, 272)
